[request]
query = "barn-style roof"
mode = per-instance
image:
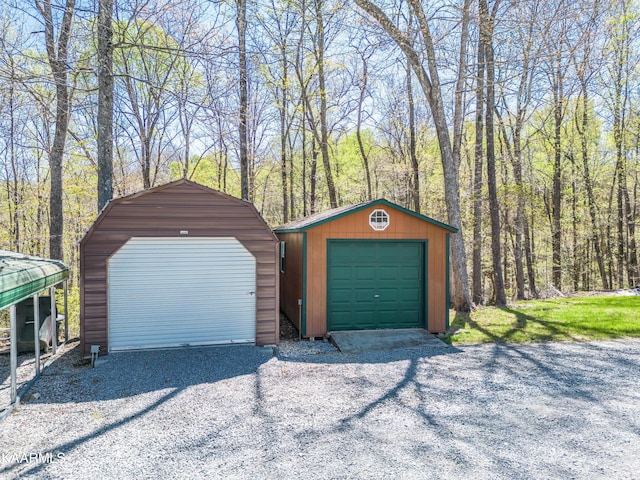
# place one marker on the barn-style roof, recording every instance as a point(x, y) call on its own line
point(168, 187)
point(316, 219)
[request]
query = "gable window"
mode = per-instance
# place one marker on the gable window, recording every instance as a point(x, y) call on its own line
point(379, 219)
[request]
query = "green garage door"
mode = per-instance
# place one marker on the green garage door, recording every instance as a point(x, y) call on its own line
point(373, 284)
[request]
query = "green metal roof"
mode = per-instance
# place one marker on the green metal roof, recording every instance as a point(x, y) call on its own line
point(23, 276)
point(316, 219)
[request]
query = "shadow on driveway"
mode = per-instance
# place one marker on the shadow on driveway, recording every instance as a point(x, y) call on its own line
point(489, 411)
point(125, 374)
point(128, 374)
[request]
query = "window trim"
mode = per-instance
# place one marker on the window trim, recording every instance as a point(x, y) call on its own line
point(377, 220)
point(283, 256)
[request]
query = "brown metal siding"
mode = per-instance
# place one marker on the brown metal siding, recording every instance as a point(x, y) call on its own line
point(291, 279)
point(356, 225)
point(163, 212)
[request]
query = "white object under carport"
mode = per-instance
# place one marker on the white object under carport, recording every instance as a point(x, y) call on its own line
point(173, 291)
point(21, 277)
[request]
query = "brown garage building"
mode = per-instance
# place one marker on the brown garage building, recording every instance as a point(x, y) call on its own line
point(366, 266)
point(176, 265)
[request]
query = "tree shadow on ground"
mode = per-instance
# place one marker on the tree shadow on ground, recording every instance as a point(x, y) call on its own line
point(69, 446)
point(549, 368)
point(548, 330)
point(306, 352)
point(522, 320)
point(545, 369)
point(123, 375)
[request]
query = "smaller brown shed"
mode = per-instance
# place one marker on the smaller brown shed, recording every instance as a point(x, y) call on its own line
point(366, 266)
point(175, 265)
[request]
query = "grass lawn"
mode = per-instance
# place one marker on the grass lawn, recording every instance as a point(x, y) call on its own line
point(578, 318)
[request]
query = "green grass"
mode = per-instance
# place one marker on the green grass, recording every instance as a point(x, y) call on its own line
point(560, 319)
point(73, 300)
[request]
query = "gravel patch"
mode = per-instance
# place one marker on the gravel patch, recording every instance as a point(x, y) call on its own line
point(292, 349)
point(558, 410)
point(25, 372)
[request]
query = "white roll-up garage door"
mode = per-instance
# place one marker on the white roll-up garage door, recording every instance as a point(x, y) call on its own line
point(166, 292)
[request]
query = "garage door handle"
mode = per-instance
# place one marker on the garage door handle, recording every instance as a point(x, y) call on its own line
point(252, 293)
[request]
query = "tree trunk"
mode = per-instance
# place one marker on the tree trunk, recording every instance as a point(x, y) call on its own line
point(105, 103)
point(556, 226)
point(574, 227)
point(241, 24)
point(313, 180)
point(430, 84)
point(632, 269)
point(186, 133)
point(620, 171)
point(478, 297)
point(494, 209)
point(14, 198)
point(609, 235)
point(363, 153)
point(415, 183)
point(520, 223)
point(146, 160)
point(583, 71)
point(57, 56)
point(520, 218)
point(292, 202)
point(622, 35)
point(620, 224)
point(460, 88)
point(299, 66)
point(528, 254)
point(283, 134)
point(305, 200)
point(324, 133)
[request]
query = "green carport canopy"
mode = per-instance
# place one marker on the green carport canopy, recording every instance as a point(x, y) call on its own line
point(23, 276)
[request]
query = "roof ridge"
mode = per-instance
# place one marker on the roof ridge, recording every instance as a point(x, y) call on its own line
point(319, 218)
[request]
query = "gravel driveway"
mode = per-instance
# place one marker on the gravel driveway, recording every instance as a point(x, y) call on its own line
point(561, 410)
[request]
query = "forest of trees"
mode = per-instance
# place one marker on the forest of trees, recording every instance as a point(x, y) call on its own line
point(516, 121)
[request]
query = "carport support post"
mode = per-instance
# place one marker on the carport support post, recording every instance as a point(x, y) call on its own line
point(14, 353)
point(54, 321)
point(36, 331)
point(66, 313)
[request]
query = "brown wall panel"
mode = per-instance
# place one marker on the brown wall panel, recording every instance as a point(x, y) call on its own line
point(356, 225)
point(291, 279)
point(95, 311)
point(163, 212)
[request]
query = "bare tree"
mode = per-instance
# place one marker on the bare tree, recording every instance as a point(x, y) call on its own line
point(430, 83)
point(277, 25)
point(363, 84)
point(311, 73)
point(555, 40)
point(583, 61)
point(319, 52)
point(57, 50)
point(148, 61)
point(520, 63)
point(478, 295)
point(413, 155)
point(105, 102)
point(241, 25)
point(11, 136)
point(618, 93)
point(487, 21)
